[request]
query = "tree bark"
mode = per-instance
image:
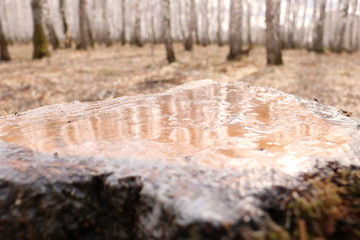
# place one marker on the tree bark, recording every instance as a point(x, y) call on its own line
point(53, 38)
point(235, 30)
point(123, 23)
point(67, 42)
point(205, 23)
point(170, 54)
point(137, 39)
point(318, 36)
point(273, 42)
point(292, 24)
point(84, 28)
point(338, 45)
point(4, 52)
point(302, 34)
point(219, 23)
point(352, 31)
point(189, 43)
point(40, 40)
point(248, 22)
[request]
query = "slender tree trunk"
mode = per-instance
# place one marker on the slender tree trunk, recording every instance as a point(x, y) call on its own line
point(219, 23)
point(235, 31)
point(338, 45)
point(293, 22)
point(303, 28)
point(273, 42)
point(248, 20)
point(195, 21)
point(53, 38)
point(123, 23)
point(40, 41)
point(352, 31)
point(67, 42)
point(170, 54)
point(318, 39)
point(4, 52)
point(137, 39)
point(107, 28)
point(205, 23)
point(189, 43)
point(84, 29)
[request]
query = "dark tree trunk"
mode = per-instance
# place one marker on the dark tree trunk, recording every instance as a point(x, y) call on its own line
point(318, 39)
point(188, 44)
point(84, 29)
point(40, 41)
point(123, 24)
point(235, 31)
point(67, 42)
point(4, 52)
point(170, 54)
point(137, 39)
point(273, 42)
point(107, 31)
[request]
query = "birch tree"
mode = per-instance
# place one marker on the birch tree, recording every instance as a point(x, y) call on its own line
point(188, 41)
point(273, 42)
point(40, 40)
point(337, 46)
point(318, 35)
point(170, 54)
point(137, 39)
point(205, 23)
point(235, 31)
point(4, 52)
point(85, 37)
point(123, 23)
point(52, 36)
point(219, 23)
point(65, 24)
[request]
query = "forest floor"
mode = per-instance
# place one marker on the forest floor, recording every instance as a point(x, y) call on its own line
point(100, 73)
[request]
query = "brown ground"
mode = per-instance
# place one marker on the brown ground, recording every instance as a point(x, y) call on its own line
point(117, 71)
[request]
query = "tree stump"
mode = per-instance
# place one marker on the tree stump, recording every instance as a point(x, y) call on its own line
point(205, 160)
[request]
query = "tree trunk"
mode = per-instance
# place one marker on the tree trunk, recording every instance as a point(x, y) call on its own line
point(4, 52)
point(195, 23)
point(248, 22)
point(352, 31)
point(318, 39)
point(235, 24)
point(273, 42)
point(53, 38)
point(205, 23)
point(107, 28)
point(188, 44)
point(137, 39)
point(40, 41)
point(284, 29)
point(292, 28)
point(338, 45)
point(123, 23)
point(84, 27)
point(302, 34)
point(219, 24)
point(67, 42)
point(170, 55)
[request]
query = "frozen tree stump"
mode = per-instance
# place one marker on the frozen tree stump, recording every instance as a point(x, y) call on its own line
point(189, 163)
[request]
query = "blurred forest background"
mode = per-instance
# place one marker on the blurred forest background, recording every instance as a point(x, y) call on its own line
point(55, 51)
